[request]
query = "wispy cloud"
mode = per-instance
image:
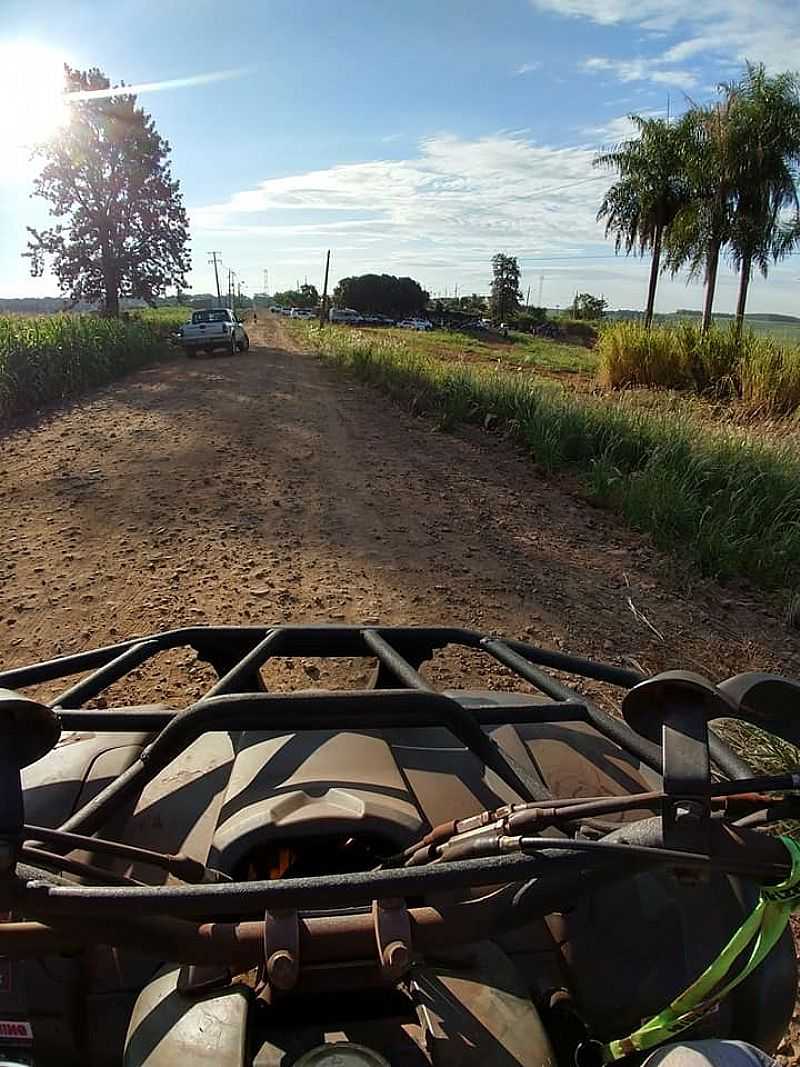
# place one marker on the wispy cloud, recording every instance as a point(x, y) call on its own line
point(390, 138)
point(441, 214)
point(638, 70)
point(767, 30)
point(527, 68)
point(159, 86)
point(456, 197)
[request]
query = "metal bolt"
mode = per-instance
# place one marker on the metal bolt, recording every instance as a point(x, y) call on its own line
point(396, 955)
point(282, 969)
point(689, 811)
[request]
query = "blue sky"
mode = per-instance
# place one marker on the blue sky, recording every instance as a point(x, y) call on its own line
point(408, 136)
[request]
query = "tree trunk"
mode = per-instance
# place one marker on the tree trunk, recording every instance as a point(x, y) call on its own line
point(711, 283)
point(112, 298)
point(110, 277)
point(654, 267)
point(744, 285)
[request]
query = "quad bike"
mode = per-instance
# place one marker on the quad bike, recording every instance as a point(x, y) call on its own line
point(392, 875)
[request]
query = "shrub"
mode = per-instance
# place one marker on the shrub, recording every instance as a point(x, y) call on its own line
point(760, 370)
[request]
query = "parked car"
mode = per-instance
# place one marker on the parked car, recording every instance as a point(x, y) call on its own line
point(212, 329)
point(344, 315)
point(303, 313)
point(415, 324)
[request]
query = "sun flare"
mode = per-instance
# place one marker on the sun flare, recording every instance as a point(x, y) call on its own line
point(31, 94)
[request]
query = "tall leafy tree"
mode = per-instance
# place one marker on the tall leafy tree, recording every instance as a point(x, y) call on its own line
point(652, 189)
point(382, 294)
point(505, 297)
point(764, 225)
point(122, 230)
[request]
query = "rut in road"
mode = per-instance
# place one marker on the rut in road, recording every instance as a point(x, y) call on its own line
point(266, 487)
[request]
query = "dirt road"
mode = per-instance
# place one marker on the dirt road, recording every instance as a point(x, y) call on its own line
point(266, 487)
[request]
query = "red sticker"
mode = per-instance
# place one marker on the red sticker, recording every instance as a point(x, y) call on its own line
point(15, 1030)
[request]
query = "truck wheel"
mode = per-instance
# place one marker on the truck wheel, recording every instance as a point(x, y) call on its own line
point(234, 347)
point(245, 345)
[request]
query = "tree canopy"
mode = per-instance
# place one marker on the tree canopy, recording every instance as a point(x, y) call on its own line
point(122, 230)
point(586, 306)
point(505, 298)
point(381, 294)
point(304, 297)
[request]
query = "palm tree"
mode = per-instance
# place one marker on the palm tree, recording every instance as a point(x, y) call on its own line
point(769, 121)
point(642, 205)
point(742, 169)
point(703, 226)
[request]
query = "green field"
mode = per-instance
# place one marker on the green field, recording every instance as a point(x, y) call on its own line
point(781, 331)
point(519, 349)
point(45, 358)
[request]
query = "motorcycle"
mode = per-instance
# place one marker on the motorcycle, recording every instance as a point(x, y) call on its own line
point(392, 875)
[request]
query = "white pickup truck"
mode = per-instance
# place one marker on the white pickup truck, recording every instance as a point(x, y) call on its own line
point(214, 328)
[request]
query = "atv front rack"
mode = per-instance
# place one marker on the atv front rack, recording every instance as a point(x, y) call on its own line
point(400, 696)
point(217, 921)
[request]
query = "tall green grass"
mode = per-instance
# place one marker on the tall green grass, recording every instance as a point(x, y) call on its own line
point(44, 359)
point(761, 371)
point(729, 503)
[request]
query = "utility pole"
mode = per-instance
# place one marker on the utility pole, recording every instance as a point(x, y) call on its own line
point(324, 305)
point(231, 290)
point(216, 275)
point(528, 298)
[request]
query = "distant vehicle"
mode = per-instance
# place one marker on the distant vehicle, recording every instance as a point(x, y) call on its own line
point(377, 320)
point(213, 329)
point(275, 309)
point(415, 324)
point(345, 315)
point(303, 313)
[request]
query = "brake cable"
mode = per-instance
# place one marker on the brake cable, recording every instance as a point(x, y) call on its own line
point(758, 933)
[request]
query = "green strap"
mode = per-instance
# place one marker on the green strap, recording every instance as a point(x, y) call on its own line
point(758, 933)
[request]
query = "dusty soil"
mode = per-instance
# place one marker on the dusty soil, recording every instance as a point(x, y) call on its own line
point(265, 487)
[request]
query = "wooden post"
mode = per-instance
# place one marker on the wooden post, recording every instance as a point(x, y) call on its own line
point(323, 311)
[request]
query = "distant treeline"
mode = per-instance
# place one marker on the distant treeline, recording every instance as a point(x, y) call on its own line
point(690, 313)
point(47, 305)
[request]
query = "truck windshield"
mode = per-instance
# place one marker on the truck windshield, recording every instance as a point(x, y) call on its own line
point(210, 316)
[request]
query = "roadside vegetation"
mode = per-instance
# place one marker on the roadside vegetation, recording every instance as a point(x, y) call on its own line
point(730, 503)
point(758, 371)
point(45, 359)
